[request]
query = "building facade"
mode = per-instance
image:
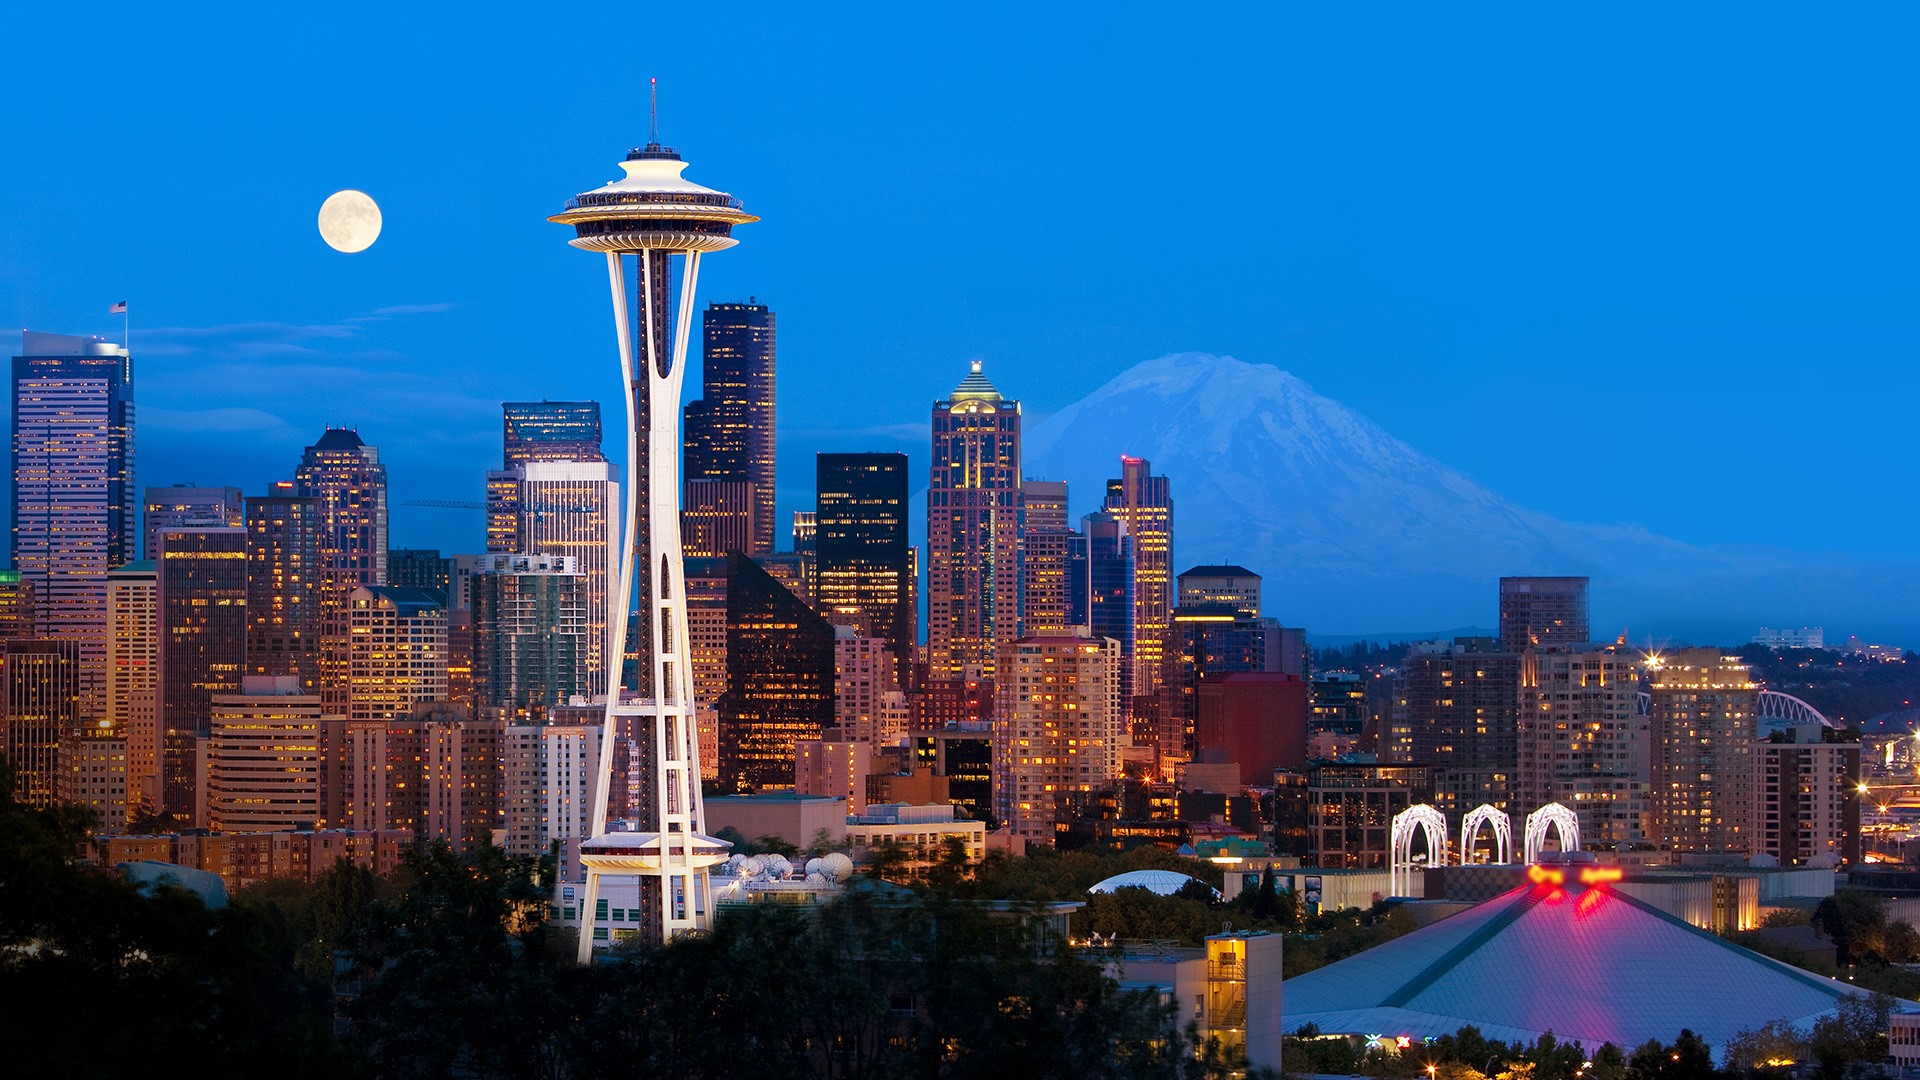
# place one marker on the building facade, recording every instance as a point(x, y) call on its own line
point(1145, 503)
point(1582, 742)
point(729, 432)
point(529, 632)
point(133, 675)
point(263, 757)
point(1057, 728)
point(973, 529)
point(571, 509)
point(1701, 732)
point(345, 475)
point(184, 506)
point(41, 680)
point(780, 679)
point(202, 598)
point(285, 576)
point(863, 559)
point(1543, 612)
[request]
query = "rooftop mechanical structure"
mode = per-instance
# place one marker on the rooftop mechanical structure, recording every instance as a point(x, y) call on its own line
point(653, 225)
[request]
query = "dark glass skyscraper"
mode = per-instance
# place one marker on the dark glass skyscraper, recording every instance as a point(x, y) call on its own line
point(550, 431)
point(203, 646)
point(863, 561)
point(73, 497)
point(1110, 591)
point(729, 431)
point(780, 670)
point(283, 586)
point(41, 682)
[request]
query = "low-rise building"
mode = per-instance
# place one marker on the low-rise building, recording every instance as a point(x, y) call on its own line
point(921, 835)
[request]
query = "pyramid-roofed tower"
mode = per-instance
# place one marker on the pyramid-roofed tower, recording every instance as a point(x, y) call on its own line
point(1588, 963)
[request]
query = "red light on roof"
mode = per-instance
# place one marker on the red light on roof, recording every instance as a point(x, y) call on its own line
point(1597, 875)
point(1546, 875)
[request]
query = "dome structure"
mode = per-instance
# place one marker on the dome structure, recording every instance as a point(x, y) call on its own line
point(1163, 882)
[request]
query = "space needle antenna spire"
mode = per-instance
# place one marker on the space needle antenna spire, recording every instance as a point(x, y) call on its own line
point(653, 113)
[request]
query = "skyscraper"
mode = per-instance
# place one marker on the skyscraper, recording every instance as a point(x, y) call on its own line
point(729, 431)
point(780, 670)
point(16, 606)
point(863, 559)
point(202, 599)
point(530, 632)
point(653, 226)
point(1057, 729)
point(263, 757)
point(973, 529)
point(41, 681)
point(1053, 562)
point(569, 508)
point(1701, 730)
point(133, 675)
point(284, 581)
point(73, 497)
point(184, 506)
point(1581, 740)
point(550, 431)
point(1542, 612)
point(1205, 642)
point(1110, 591)
point(399, 651)
point(345, 474)
point(1145, 503)
point(1459, 709)
point(718, 518)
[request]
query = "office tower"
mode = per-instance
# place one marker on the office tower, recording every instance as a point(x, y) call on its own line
point(345, 474)
point(1701, 730)
point(73, 509)
point(642, 222)
point(973, 529)
point(1458, 710)
point(867, 702)
point(202, 599)
point(706, 581)
point(1806, 796)
point(863, 559)
point(1350, 810)
point(424, 569)
point(1053, 562)
point(284, 575)
point(16, 606)
point(547, 772)
point(263, 757)
point(729, 431)
point(1145, 503)
point(1110, 579)
point(780, 664)
point(42, 685)
point(806, 530)
point(184, 506)
point(718, 518)
point(569, 509)
point(1542, 612)
point(1205, 642)
point(1340, 704)
point(550, 431)
point(1044, 504)
point(1581, 740)
point(963, 756)
point(1235, 586)
point(529, 633)
point(399, 652)
point(1058, 728)
point(133, 675)
point(93, 774)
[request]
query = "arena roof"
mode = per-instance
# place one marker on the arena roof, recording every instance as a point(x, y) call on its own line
point(1587, 963)
point(1164, 882)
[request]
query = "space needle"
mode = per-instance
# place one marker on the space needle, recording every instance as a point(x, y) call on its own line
point(653, 225)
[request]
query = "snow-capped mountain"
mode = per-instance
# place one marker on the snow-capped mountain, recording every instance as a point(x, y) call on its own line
point(1355, 530)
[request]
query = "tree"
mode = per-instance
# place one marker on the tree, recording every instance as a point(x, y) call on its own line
point(1771, 1045)
point(1851, 919)
point(1266, 902)
point(1857, 1031)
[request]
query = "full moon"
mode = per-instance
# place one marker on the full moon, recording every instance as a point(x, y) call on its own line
point(349, 221)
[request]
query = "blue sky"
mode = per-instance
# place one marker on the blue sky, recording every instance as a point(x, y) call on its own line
point(1626, 265)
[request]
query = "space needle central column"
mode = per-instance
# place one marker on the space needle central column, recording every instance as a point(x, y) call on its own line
point(653, 225)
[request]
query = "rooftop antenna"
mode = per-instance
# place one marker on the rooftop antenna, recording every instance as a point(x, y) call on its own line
point(653, 122)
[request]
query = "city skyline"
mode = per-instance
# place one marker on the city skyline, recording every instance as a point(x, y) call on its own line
point(1351, 306)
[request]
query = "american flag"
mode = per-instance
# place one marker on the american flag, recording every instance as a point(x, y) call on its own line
point(118, 309)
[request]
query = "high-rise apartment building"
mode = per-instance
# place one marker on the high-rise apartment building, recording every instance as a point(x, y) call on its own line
point(424, 569)
point(530, 633)
point(780, 664)
point(729, 431)
point(1110, 579)
point(571, 508)
point(1205, 642)
point(1582, 742)
point(973, 529)
point(133, 675)
point(716, 518)
point(263, 757)
point(706, 586)
point(1235, 586)
point(1543, 612)
point(1145, 503)
point(202, 599)
point(345, 474)
point(1053, 562)
point(867, 703)
point(1458, 711)
point(284, 578)
point(1806, 796)
point(41, 680)
point(1701, 728)
point(863, 559)
point(184, 506)
point(399, 652)
point(1057, 728)
point(93, 774)
point(459, 776)
point(547, 782)
point(73, 499)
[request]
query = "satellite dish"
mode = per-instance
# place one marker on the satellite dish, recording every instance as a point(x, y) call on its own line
point(837, 866)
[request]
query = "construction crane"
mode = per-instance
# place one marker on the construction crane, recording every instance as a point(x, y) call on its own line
point(444, 504)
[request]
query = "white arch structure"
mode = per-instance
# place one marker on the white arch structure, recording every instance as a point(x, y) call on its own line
point(1424, 819)
point(1502, 825)
point(1780, 710)
point(1558, 818)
